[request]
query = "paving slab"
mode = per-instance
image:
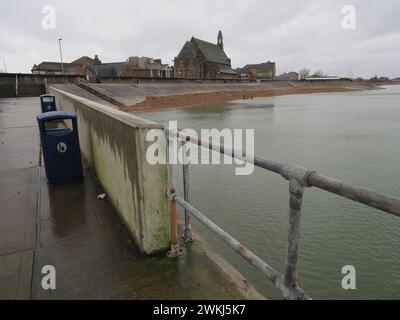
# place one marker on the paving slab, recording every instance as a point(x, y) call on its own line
point(16, 276)
point(19, 134)
point(18, 209)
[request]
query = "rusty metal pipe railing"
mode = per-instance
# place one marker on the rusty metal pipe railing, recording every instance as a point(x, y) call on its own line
point(307, 177)
point(298, 178)
point(187, 235)
point(292, 260)
point(292, 292)
point(173, 222)
point(175, 249)
point(363, 195)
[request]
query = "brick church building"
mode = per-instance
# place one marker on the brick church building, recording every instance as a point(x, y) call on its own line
point(200, 59)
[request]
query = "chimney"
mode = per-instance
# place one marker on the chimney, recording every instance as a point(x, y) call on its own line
point(96, 59)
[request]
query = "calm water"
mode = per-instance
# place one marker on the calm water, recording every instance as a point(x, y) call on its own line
point(354, 137)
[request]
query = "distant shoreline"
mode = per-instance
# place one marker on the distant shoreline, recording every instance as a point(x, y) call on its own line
point(205, 98)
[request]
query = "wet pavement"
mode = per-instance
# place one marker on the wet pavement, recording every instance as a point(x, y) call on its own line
point(66, 226)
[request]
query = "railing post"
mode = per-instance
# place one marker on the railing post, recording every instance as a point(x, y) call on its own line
point(187, 235)
point(296, 190)
point(175, 248)
point(16, 86)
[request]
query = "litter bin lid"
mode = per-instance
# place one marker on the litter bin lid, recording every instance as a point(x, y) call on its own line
point(47, 95)
point(56, 115)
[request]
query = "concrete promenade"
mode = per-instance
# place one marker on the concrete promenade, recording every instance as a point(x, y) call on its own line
point(82, 237)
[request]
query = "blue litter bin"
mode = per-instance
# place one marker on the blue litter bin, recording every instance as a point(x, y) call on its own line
point(48, 103)
point(60, 145)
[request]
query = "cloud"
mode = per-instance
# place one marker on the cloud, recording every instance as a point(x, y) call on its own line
point(293, 33)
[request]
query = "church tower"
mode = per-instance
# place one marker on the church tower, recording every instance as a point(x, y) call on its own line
point(220, 41)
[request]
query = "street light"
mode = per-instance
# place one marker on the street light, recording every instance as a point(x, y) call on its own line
point(62, 65)
point(4, 63)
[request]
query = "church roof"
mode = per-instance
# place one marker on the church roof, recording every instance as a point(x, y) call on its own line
point(211, 51)
point(187, 52)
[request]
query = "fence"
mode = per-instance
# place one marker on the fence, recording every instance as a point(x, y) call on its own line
point(299, 178)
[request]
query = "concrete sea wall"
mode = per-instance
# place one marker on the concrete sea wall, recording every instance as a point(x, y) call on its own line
point(150, 96)
point(159, 96)
point(114, 144)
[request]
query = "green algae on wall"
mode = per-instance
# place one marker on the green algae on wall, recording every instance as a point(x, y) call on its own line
point(114, 144)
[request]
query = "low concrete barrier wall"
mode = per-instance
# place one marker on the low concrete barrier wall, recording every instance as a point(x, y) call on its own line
point(13, 85)
point(114, 143)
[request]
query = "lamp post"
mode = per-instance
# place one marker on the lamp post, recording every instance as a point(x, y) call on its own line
point(4, 63)
point(62, 64)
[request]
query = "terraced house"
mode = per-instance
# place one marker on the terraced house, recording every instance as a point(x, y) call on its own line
point(260, 71)
point(82, 66)
point(203, 60)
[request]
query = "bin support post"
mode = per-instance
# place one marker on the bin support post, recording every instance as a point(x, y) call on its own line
point(187, 235)
point(296, 190)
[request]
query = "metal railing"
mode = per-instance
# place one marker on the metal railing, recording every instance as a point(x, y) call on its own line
point(299, 178)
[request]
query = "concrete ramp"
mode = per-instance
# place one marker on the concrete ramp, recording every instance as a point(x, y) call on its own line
point(74, 89)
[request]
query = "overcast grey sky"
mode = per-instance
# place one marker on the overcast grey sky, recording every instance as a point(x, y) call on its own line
point(293, 33)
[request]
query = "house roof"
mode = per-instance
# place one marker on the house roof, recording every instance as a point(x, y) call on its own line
point(83, 60)
point(56, 66)
point(50, 66)
point(211, 51)
point(263, 65)
point(228, 70)
point(285, 76)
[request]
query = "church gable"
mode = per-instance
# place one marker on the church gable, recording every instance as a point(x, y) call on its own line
point(203, 60)
point(187, 52)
